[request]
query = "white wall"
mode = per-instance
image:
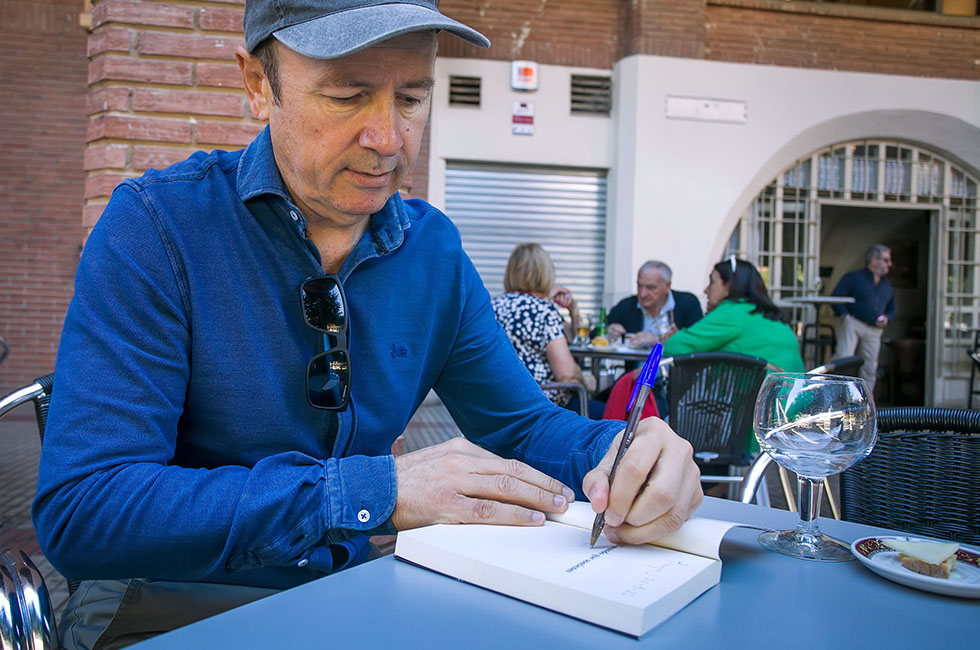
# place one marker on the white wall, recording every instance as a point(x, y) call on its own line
point(483, 133)
point(691, 181)
point(677, 187)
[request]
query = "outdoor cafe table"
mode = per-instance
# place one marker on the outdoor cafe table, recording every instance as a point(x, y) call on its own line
point(597, 353)
point(817, 302)
point(764, 600)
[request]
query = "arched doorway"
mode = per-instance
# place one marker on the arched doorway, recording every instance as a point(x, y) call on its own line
point(813, 222)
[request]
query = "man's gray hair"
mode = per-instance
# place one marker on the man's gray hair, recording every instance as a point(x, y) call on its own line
point(874, 252)
point(656, 265)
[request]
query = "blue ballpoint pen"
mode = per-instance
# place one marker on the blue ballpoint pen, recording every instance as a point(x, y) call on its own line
point(644, 382)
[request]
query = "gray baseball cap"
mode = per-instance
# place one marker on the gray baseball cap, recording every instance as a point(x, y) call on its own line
point(328, 29)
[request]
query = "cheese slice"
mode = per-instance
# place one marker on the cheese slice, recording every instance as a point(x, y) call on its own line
point(928, 552)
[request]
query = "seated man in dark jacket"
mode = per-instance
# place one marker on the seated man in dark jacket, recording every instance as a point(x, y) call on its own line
point(655, 312)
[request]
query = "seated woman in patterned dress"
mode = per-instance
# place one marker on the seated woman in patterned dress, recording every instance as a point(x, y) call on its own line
point(529, 315)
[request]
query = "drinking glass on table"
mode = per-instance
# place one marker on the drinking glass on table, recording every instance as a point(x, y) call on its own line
point(584, 327)
point(816, 426)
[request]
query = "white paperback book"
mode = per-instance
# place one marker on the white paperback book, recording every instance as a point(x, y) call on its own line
point(630, 589)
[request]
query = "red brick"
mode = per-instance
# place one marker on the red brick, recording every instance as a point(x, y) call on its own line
point(186, 101)
point(147, 157)
point(117, 68)
point(221, 75)
point(108, 39)
point(221, 20)
point(101, 184)
point(142, 13)
point(112, 98)
point(132, 127)
point(91, 213)
point(227, 133)
point(103, 156)
point(191, 45)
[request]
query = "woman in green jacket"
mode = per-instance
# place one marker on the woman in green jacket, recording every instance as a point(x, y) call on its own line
point(741, 318)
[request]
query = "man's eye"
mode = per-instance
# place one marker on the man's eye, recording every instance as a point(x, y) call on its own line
point(343, 101)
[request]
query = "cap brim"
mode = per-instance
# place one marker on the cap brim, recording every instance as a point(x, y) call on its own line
point(343, 33)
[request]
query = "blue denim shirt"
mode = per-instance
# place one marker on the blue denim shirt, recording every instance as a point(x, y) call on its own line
point(180, 444)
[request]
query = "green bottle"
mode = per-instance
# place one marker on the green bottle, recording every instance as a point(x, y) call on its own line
point(601, 329)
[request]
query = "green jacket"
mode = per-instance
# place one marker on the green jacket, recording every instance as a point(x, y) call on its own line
point(730, 327)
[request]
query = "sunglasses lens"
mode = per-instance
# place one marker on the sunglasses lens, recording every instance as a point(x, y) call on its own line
point(328, 380)
point(323, 305)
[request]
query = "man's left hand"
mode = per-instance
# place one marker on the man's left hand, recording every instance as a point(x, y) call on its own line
point(656, 489)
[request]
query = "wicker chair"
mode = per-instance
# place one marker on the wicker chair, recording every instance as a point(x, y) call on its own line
point(711, 397)
point(923, 475)
point(26, 618)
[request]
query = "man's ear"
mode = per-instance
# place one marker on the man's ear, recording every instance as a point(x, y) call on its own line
point(257, 88)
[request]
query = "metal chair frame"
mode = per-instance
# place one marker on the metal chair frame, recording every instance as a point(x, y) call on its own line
point(973, 388)
point(27, 620)
point(847, 366)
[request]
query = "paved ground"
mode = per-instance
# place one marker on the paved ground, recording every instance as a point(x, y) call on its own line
point(20, 449)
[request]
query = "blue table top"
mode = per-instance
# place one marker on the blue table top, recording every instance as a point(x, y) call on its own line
point(764, 600)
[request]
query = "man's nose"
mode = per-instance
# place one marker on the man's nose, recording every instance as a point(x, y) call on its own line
point(382, 128)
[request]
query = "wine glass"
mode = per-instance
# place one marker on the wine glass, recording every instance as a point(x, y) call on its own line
point(814, 425)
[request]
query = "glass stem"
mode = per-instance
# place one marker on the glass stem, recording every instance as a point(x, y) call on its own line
point(810, 496)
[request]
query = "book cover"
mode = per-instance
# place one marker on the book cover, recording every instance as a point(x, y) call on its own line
point(630, 589)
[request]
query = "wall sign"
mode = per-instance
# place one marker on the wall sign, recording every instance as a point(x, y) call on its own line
point(522, 118)
point(523, 75)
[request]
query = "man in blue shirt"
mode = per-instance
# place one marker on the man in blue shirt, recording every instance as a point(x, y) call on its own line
point(251, 331)
point(863, 321)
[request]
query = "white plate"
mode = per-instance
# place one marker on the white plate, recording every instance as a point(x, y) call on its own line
point(963, 581)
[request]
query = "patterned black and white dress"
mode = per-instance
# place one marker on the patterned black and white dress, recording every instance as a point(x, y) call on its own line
point(531, 324)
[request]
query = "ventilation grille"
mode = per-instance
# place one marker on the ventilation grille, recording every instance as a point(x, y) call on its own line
point(464, 91)
point(591, 95)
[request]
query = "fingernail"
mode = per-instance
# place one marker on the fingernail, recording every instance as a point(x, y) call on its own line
point(560, 502)
point(569, 495)
point(612, 519)
point(537, 517)
point(612, 536)
point(593, 494)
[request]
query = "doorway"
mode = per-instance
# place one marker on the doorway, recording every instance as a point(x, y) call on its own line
point(846, 232)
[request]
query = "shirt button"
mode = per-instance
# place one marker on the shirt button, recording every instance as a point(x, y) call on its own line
point(292, 213)
point(363, 516)
point(302, 563)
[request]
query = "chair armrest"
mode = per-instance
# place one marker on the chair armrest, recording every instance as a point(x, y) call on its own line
point(583, 396)
point(750, 484)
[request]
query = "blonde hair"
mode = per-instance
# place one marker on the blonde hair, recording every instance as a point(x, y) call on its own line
point(529, 269)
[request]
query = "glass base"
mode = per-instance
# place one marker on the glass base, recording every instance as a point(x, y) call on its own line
point(806, 546)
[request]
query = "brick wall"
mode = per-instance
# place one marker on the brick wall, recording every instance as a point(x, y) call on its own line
point(42, 142)
point(163, 83)
point(843, 37)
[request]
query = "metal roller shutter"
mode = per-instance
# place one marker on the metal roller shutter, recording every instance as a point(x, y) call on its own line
point(497, 207)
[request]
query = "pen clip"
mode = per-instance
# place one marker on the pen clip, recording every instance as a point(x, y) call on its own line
point(648, 373)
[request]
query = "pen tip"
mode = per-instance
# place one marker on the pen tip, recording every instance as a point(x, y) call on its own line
point(593, 541)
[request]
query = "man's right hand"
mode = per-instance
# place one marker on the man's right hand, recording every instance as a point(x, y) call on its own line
point(457, 482)
point(615, 331)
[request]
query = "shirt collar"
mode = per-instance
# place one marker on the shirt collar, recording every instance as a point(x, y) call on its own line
point(259, 175)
